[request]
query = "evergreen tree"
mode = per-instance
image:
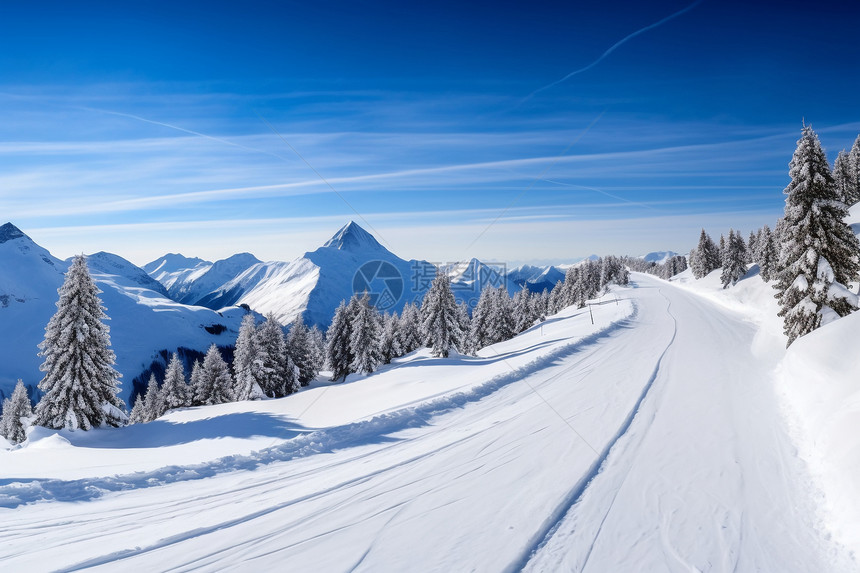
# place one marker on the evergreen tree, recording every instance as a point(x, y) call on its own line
point(707, 256)
point(854, 162)
point(138, 411)
point(479, 327)
point(278, 376)
point(300, 351)
point(195, 386)
point(17, 412)
point(524, 309)
point(467, 345)
point(734, 259)
point(247, 362)
point(80, 383)
point(767, 257)
point(441, 326)
point(411, 336)
point(819, 252)
point(338, 352)
point(503, 320)
point(317, 348)
point(153, 405)
point(216, 383)
point(174, 390)
point(390, 344)
point(751, 248)
point(556, 298)
point(843, 178)
point(366, 337)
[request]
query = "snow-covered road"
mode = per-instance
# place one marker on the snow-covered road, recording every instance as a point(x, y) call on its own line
point(652, 445)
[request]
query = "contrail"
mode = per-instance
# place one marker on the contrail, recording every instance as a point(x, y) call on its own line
point(182, 129)
point(612, 49)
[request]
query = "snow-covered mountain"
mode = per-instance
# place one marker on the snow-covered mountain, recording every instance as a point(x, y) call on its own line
point(143, 321)
point(536, 278)
point(658, 257)
point(352, 261)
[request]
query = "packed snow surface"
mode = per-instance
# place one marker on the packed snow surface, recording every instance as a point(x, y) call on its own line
point(651, 440)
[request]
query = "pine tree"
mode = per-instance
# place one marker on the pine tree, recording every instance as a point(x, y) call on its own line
point(195, 386)
point(278, 374)
point(411, 336)
point(751, 248)
point(854, 161)
point(17, 412)
point(216, 383)
point(247, 362)
point(479, 327)
point(338, 352)
point(767, 256)
point(138, 411)
point(707, 256)
point(734, 260)
point(390, 343)
point(843, 178)
point(80, 383)
point(503, 319)
point(441, 326)
point(556, 298)
point(317, 348)
point(153, 405)
point(300, 351)
point(366, 338)
point(819, 252)
point(524, 310)
point(467, 345)
point(174, 390)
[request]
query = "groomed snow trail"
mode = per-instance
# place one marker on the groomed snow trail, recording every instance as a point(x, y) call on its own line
point(655, 446)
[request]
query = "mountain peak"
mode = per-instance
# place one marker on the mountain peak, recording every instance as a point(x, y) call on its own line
point(9, 232)
point(351, 237)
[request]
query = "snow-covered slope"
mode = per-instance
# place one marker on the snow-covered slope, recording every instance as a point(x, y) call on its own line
point(143, 321)
point(199, 287)
point(618, 446)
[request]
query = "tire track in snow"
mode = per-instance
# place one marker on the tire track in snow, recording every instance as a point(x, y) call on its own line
point(551, 525)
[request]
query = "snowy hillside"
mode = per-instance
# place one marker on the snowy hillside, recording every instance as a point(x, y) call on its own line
point(143, 321)
point(175, 269)
point(573, 446)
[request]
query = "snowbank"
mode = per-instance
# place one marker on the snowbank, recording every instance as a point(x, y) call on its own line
point(819, 380)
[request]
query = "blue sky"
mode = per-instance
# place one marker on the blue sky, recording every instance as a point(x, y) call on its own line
point(444, 129)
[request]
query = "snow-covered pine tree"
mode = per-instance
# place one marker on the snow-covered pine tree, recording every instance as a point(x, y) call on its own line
point(556, 298)
point(366, 337)
point(247, 362)
point(338, 353)
point(479, 328)
point(216, 383)
point(390, 344)
point(503, 321)
point(275, 374)
point(767, 255)
point(138, 411)
point(819, 252)
point(707, 256)
point(411, 337)
point(467, 345)
point(195, 385)
point(317, 348)
point(174, 390)
point(540, 304)
point(751, 248)
point(300, 351)
point(16, 415)
point(80, 383)
point(523, 310)
point(734, 259)
point(152, 403)
point(843, 178)
point(441, 326)
point(854, 161)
